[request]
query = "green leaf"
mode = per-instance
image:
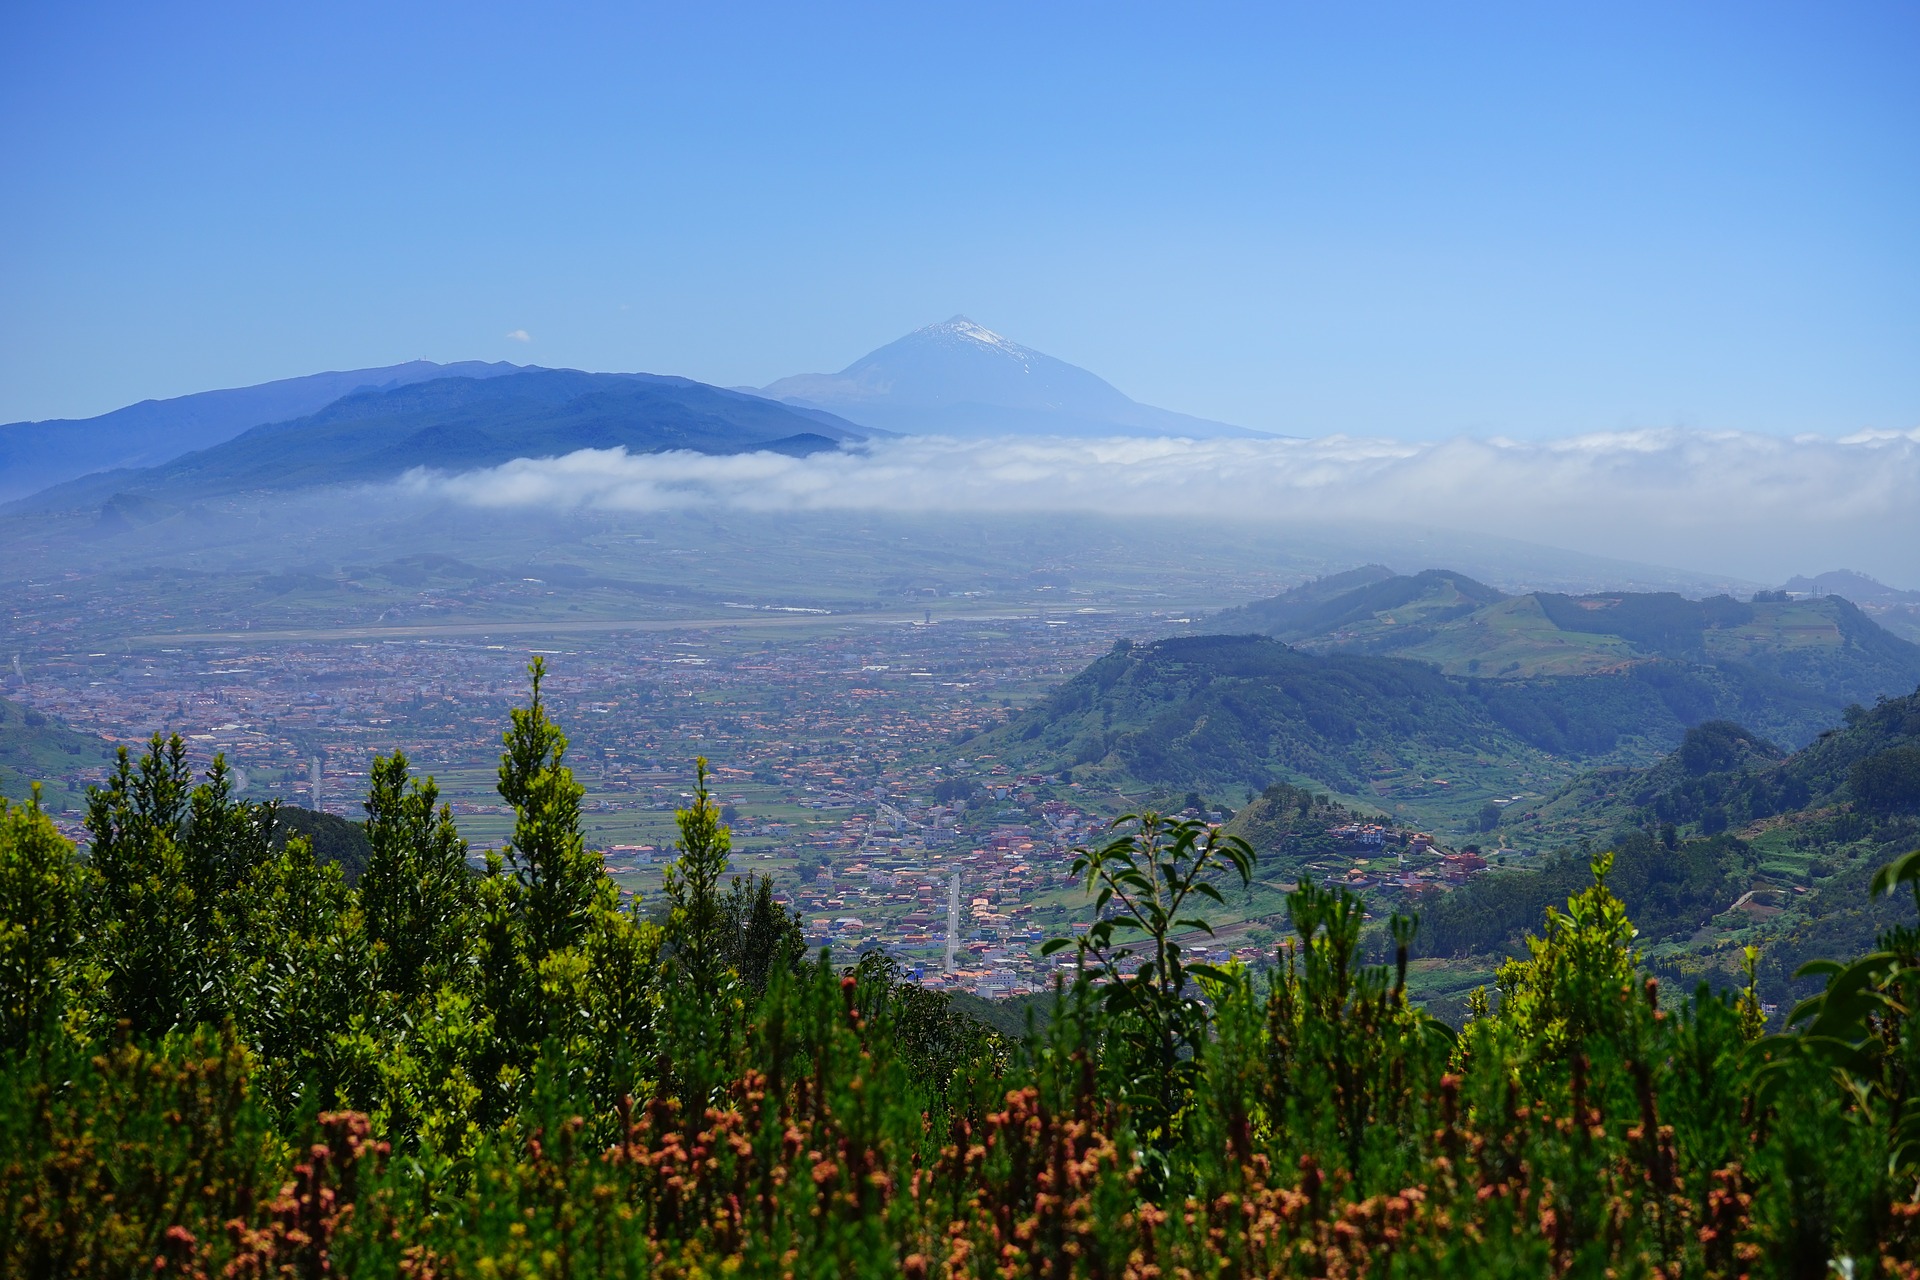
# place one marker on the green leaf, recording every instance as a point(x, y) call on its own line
point(1902, 870)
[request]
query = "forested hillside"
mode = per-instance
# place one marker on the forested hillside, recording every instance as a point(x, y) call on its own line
point(218, 1057)
point(1811, 656)
point(1226, 715)
point(1725, 844)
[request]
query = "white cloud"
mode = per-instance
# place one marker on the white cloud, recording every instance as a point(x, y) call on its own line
point(520, 335)
point(1756, 505)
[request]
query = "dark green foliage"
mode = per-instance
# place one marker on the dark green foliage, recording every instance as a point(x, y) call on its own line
point(170, 855)
point(1289, 825)
point(551, 865)
point(1888, 780)
point(417, 893)
point(43, 899)
point(947, 790)
point(758, 936)
point(1719, 746)
point(1218, 713)
point(1668, 892)
point(332, 838)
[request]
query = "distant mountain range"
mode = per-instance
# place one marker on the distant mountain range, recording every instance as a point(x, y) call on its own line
point(34, 455)
point(456, 424)
point(953, 378)
point(960, 378)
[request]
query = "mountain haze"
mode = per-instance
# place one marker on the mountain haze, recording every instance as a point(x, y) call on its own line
point(960, 378)
point(457, 424)
point(34, 455)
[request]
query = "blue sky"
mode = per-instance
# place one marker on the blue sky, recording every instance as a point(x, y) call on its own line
point(1415, 221)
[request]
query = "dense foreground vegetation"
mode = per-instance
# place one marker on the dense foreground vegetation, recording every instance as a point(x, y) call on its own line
point(220, 1058)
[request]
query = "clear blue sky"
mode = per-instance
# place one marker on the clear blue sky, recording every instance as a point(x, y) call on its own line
point(1413, 220)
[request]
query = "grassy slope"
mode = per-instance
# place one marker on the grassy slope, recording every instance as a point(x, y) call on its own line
point(37, 748)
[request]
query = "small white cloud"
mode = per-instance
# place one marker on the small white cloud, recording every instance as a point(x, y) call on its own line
point(520, 335)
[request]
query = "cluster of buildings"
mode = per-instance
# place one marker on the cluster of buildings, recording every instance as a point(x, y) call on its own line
point(839, 750)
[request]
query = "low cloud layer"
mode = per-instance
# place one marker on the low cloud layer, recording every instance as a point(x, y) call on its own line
point(1757, 506)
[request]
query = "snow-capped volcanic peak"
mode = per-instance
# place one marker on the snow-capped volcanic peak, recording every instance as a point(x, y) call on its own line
point(961, 327)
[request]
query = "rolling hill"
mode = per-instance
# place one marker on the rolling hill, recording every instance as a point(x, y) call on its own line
point(36, 455)
point(1775, 647)
point(1896, 610)
point(960, 378)
point(455, 424)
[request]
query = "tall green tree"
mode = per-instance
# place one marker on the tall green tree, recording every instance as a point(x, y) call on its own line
point(43, 888)
point(550, 862)
point(693, 887)
point(417, 892)
point(1146, 883)
point(167, 852)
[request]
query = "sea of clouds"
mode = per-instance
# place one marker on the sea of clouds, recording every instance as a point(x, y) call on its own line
point(1754, 505)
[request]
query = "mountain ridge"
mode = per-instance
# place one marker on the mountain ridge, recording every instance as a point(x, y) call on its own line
point(36, 455)
point(464, 423)
point(1468, 629)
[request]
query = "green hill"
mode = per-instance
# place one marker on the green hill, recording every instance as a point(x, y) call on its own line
point(1783, 667)
point(1361, 605)
point(1225, 715)
point(35, 747)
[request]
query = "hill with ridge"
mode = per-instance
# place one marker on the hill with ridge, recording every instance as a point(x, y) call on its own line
point(961, 378)
point(456, 424)
point(36, 455)
point(1896, 610)
point(1820, 644)
point(1227, 715)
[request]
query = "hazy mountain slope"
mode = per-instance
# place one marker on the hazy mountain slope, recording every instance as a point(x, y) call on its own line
point(1896, 610)
point(958, 378)
point(1348, 606)
point(35, 455)
point(456, 424)
point(1789, 664)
